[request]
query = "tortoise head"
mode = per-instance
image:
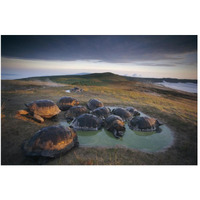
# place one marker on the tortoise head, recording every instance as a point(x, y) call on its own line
point(136, 113)
point(158, 123)
point(110, 111)
point(118, 128)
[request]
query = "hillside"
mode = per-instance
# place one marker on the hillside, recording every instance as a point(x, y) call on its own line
point(103, 79)
point(96, 79)
point(176, 109)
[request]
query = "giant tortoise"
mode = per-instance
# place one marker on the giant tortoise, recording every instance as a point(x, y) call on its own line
point(51, 141)
point(65, 103)
point(40, 109)
point(74, 112)
point(145, 124)
point(124, 114)
point(87, 122)
point(116, 125)
point(102, 112)
point(94, 103)
point(133, 111)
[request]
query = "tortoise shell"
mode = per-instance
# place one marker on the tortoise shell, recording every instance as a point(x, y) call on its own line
point(101, 112)
point(76, 89)
point(87, 122)
point(116, 125)
point(44, 108)
point(133, 111)
point(145, 124)
point(66, 102)
point(94, 103)
point(124, 114)
point(51, 141)
point(75, 111)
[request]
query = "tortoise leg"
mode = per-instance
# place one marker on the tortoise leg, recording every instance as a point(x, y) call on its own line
point(38, 118)
point(22, 112)
point(115, 134)
point(55, 118)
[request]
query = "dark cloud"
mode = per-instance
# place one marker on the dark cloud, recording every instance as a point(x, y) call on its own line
point(114, 49)
point(157, 64)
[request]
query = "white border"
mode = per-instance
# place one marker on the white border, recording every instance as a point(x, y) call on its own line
point(99, 17)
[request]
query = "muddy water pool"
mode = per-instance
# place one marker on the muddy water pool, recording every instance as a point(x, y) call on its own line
point(143, 141)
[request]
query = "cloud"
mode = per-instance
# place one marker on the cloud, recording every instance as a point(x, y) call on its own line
point(136, 75)
point(157, 64)
point(114, 49)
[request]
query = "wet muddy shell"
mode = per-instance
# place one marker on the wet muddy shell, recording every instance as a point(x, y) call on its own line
point(124, 114)
point(102, 112)
point(144, 124)
point(133, 111)
point(87, 122)
point(75, 111)
point(116, 125)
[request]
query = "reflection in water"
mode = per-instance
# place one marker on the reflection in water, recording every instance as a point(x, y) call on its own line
point(64, 123)
point(144, 141)
point(140, 133)
point(109, 134)
point(87, 133)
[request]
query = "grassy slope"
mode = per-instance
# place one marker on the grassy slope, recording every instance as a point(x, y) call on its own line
point(104, 78)
point(177, 109)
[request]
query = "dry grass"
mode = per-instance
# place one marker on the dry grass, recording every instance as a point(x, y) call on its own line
point(3, 105)
point(178, 110)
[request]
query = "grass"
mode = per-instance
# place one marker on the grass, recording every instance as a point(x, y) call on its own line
point(176, 109)
point(3, 105)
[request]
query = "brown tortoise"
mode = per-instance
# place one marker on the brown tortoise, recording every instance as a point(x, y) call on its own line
point(124, 114)
point(67, 102)
point(133, 111)
point(87, 122)
point(51, 142)
point(146, 124)
point(102, 112)
point(40, 109)
point(116, 125)
point(94, 103)
point(74, 112)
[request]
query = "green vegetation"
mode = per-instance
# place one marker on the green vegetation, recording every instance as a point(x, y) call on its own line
point(176, 109)
point(101, 79)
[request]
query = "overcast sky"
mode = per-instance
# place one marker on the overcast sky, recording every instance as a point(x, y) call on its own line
point(145, 56)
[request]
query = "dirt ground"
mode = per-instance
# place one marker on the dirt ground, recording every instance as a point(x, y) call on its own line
point(177, 110)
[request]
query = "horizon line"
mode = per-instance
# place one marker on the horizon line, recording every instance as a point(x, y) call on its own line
point(84, 73)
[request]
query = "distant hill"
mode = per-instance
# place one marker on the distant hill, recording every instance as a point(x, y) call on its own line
point(102, 79)
point(98, 79)
point(83, 73)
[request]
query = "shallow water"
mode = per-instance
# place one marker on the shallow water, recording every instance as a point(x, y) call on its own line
point(187, 87)
point(143, 141)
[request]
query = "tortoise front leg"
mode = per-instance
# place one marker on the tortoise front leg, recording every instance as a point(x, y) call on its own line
point(22, 112)
point(115, 133)
point(38, 118)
